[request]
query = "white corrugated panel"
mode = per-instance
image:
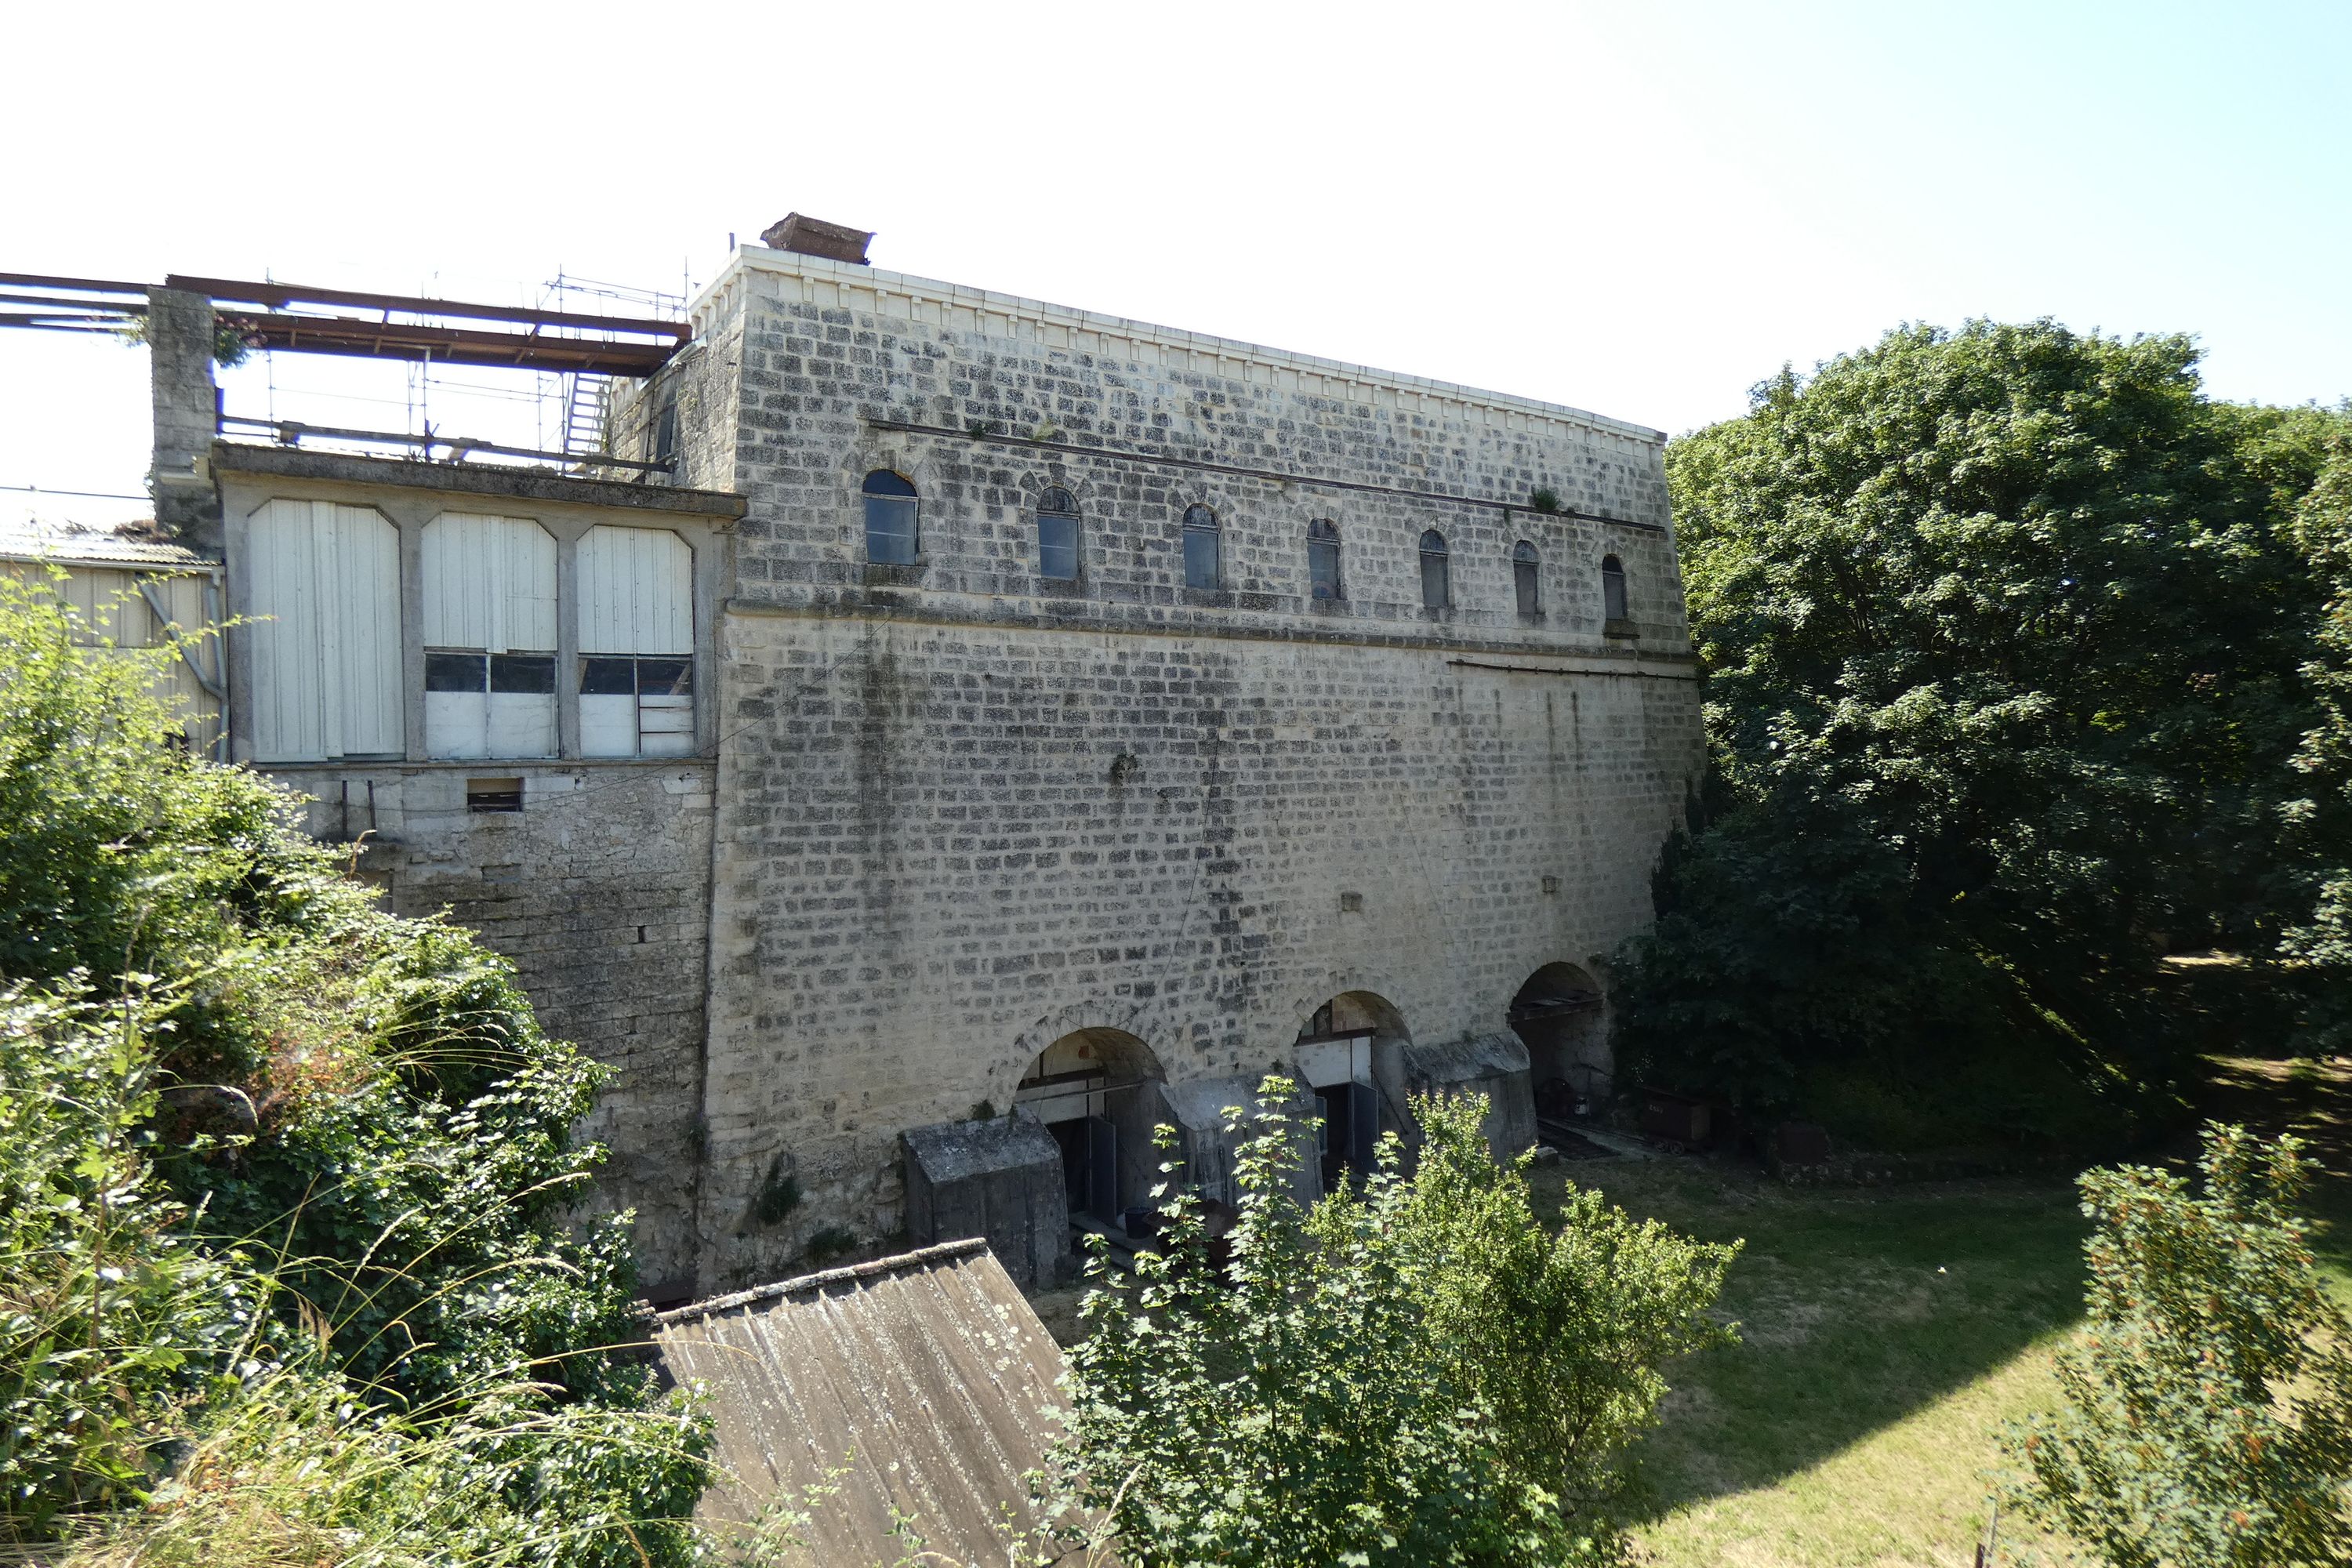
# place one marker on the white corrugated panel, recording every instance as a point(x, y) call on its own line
point(490, 584)
point(636, 592)
point(326, 660)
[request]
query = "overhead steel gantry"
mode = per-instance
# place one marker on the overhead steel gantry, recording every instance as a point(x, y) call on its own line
point(346, 322)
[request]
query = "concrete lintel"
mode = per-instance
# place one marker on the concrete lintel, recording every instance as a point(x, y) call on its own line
point(715, 507)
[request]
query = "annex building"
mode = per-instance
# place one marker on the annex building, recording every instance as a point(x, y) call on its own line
point(983, 731)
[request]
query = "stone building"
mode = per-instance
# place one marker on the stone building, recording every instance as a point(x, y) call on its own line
point(1006, 729)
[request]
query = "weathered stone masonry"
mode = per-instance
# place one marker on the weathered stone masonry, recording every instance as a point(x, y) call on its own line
point(962, 812)
point(951, 826)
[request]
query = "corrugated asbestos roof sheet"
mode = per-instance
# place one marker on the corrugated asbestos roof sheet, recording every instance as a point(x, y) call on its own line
point(926, 1376)
point(131, 544)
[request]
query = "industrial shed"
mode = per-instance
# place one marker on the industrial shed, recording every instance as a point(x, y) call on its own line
point(926, 1374)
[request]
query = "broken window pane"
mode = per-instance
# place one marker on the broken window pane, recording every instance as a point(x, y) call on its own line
point(636, 707)
point(608, 678)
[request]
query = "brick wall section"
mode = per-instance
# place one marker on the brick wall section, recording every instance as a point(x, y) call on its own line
point(599, 891)
point(962, 811)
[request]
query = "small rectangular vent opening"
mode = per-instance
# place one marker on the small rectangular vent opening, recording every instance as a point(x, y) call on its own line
point(494, 795)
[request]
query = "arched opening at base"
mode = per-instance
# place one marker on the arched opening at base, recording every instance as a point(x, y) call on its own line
point(1561, 1017)
point(1090, 1089)
point(1351, 1056)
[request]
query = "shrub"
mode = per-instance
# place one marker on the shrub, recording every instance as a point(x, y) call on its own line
point(1412, 1373)
point(266, 1151)
point(111, 1320)
point(2207, 1413)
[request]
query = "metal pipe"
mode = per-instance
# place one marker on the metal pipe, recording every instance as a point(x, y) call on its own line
point(289, 432)
point(278, 296)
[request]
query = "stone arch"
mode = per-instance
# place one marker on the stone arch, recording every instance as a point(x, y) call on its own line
point(918, 469)
point(1349, 1056)
point(1032, 484)
point(1098, 1092)
point(1562, 1014)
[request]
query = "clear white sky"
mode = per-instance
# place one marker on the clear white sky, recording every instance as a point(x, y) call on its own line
point(1637, 209)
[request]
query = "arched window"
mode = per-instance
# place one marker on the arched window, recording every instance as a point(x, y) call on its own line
point(1057, 535)
point(1436, 588)
point(1201, 567)
point(1523, 578)
point(1323, 560)
point(1613, 589)
point(889, 518)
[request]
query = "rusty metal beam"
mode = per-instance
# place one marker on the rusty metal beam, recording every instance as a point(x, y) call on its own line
point(56, 323)
point(447, 345)
point(291, 432)
point(278, 296)
point(86, 285)
point(66, 302)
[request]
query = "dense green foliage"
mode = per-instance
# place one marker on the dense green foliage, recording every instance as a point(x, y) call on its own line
point(2320, 819)
point(1415, 1373)
point(2006, 634)
point(2206, 1399)
point(274, 1163)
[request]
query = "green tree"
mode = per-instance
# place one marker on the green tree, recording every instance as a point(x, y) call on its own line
point(2003, 636)
point(2319, 816)
point(1415, 1373)
point(2206, 1399)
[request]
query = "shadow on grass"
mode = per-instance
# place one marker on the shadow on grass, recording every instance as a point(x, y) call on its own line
point(1861, 1307)
point(2309, 1098)
point(1858, 1308)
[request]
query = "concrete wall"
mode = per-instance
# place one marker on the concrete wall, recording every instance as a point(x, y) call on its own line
point(962, 812)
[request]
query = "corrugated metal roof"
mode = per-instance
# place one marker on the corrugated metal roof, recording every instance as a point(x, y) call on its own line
point(124, 545)
point(926, 1376)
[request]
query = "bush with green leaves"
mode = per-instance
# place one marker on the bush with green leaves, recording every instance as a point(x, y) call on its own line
point(112, 1318)
point(2005, 634)
point(2206, 1399)
point(2319, 817)
point(1415, 1373)
point(264, 1136)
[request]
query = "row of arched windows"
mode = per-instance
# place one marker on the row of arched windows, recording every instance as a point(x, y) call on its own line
point(890, 538)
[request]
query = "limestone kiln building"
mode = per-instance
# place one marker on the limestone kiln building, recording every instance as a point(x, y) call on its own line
point(991, 730)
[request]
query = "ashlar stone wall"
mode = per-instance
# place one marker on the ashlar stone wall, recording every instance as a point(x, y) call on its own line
point(962, 811)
